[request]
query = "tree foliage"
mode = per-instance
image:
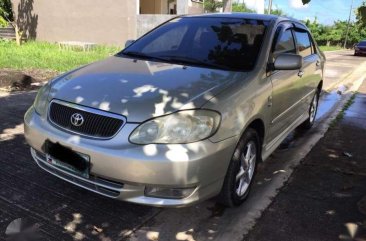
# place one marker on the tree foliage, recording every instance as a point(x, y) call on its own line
point(361, 14)
point(212, 6)
point(241, 7)
point(336, 33)
point(276, 11)
point(6, 11)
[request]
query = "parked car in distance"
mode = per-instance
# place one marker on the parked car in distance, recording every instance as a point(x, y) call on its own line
point(182, 114)
point(360, 48)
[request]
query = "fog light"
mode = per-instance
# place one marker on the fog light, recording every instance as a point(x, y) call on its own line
point(171, 193)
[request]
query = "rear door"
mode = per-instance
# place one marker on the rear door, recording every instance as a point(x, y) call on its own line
point(310, 74)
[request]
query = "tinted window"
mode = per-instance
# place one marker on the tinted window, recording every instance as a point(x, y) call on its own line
point(362, 44)
point(226, 43)
point(285, 44)
point(170, 40)
point(303, 43)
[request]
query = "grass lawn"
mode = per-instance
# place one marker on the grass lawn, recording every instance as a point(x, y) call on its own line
point(41, 55)
point(330, 48)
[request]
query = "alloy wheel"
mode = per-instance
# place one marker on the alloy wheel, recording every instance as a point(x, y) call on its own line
point(313, 109)
point(247, 166)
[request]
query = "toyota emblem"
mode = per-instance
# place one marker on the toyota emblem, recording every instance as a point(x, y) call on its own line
point(77, 119)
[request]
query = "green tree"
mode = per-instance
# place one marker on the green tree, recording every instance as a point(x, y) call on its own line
point(319, 31)
point(336, 33)
point(276, 11)
point(241, 7)
point(339, 30)
point(361, 14)
point(212, 6)
point(6, 11)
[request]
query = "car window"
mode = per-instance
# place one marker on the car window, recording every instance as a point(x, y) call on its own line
point(303, 43)
point(227, 43)
point(171, 40)
point(285, 44)
point(362, 44)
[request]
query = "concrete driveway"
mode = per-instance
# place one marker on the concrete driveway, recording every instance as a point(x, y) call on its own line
point(56, 210)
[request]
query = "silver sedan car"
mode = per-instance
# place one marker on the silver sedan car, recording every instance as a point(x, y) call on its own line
point(182, 114)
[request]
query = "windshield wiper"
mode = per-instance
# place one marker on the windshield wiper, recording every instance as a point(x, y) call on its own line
point(193, 61)
point(141, 55)
point(176, 59)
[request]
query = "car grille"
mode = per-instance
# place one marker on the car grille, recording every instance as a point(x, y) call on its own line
point(96, 123)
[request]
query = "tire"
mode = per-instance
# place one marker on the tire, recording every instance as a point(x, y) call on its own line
point(313, 109)
point(241, 171)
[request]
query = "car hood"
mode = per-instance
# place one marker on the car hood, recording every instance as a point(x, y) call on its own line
point(140, 89)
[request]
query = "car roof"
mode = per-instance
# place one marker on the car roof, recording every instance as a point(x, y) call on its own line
point(255, 16)
point(235, 15)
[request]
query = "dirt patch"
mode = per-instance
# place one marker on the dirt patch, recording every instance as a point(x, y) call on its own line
point(15, 80)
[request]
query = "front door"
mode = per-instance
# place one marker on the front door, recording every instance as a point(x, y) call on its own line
point(284, 92)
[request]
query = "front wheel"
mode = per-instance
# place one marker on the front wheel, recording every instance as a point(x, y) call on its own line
point(241, 170)
point(313, 109)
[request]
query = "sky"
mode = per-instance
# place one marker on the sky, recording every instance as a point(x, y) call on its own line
point(327, 11)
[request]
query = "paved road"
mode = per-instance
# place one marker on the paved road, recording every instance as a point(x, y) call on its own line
point(61, 211)
point(338, 66)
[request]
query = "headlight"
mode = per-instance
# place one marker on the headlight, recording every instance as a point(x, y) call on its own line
point(177, 128)
point(41, 101)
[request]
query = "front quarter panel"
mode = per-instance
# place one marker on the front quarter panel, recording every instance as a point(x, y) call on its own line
point(240, 104)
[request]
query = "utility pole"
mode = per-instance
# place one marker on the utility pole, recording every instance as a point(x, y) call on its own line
point(270, 6)
point(348, 25)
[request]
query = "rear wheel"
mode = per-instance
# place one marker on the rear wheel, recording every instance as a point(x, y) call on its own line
point(313, 109)
point(241, 170)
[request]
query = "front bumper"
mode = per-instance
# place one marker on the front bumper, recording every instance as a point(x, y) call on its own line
point(361, 52)
point(122, 170)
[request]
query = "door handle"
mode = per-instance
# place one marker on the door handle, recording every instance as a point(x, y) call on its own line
point(301, 73)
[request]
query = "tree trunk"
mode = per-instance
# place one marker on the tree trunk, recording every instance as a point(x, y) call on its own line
point(227, 6)
point(18, 35)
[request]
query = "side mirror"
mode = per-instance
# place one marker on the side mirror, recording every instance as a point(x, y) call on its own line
point(288, 62)
point(129, 42)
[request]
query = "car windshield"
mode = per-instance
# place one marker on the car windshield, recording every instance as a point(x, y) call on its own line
point(362, 44)
point(216, 42)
